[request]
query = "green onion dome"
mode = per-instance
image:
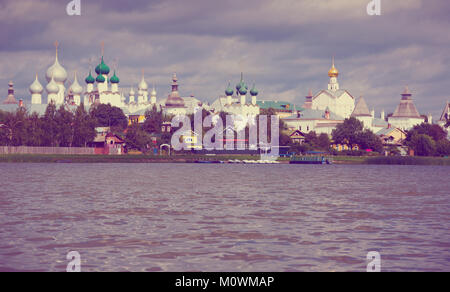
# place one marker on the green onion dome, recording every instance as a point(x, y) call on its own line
point(229, 91)
point(100, 79)
point(243, 90)
point(102, 68)
point(90, 79)
point(254, 91)
point(114, 79)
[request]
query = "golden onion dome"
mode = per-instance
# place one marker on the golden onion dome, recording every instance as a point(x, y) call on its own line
point(333, 72)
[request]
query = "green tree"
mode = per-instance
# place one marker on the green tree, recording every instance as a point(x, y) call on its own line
point(138, 139)
point(423, 145)
point(35, 130)
point(368, 140)
point(323, 141)
point(83, 127)
point(64, 121)
point(4, 131)
point(443, 147)
point(109, 116)
point(347, 132)
point(154, 119)
point(434, 131)
point(50, 126)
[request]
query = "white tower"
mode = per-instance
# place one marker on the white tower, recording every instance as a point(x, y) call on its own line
point(333, 74)
point(52, 90)
point(59, 74)
point(143, 90)
point(254, 93)
point(77, 90)
point(153, 95)
point(132, 93)
point(36, 90)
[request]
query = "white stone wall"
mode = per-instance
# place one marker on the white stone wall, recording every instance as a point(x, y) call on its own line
point(405, 123)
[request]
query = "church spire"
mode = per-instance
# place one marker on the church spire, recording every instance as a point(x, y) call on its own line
point(333, 73)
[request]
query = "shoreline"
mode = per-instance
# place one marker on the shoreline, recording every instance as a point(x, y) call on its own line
point(347, 160)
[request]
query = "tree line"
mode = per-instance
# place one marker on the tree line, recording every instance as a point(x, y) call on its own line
point(58, 127)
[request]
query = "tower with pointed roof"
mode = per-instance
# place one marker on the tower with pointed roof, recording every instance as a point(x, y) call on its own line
point(406, 114)
point(52, 91)
point(59, 76)
point(143, 90)
point(362, 113)
point(254, 93)
point(76, 90)
point(308, 101)
point(338, 100)
point(36, 90)
point(153, 95)
point(174, 103)
point(333, 73)
point(10, 99)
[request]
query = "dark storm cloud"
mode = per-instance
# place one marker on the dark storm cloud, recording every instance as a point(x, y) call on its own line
point(284, 46)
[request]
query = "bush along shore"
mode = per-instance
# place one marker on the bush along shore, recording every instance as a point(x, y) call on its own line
point(408, 160)
point(376, 160)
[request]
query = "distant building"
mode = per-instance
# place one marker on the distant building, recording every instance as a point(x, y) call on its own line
point(337, 100)
point(282, 108)
point(392, 136)
point(310, 120)
point(109, 143)
point(10, 99)
point(237, 104)
point(297, 137)
point(362, 113)
point(175, 104)
point(406, 115)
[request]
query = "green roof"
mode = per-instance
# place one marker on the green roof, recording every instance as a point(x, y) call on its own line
point(102, 68)
point(114, 79)
point(100, 79)
point(277, 105)
point(90, 79)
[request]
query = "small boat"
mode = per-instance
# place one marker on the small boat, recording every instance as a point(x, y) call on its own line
point(310, 160)
point(208, 161)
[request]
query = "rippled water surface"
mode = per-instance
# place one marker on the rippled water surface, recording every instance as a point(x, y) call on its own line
point(187, 217)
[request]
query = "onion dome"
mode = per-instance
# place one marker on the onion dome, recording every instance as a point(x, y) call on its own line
point(153, 93)
point(132, 91)
point(52, 87)
point(36, 87)
point(243, 90)
point(90, 79)
point(143, 84)
point(254, 91)
point(100, 79)
point(102, 68)
point(333, 71)
point(56, 71)
point(114, 79)
point(229, 91)
point(76, 87)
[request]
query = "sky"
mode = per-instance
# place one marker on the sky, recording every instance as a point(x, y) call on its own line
point(285, 47)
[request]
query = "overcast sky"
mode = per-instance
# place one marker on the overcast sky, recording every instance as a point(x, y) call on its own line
point(284, 46)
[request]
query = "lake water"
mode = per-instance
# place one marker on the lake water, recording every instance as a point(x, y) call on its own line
point(188, 217)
